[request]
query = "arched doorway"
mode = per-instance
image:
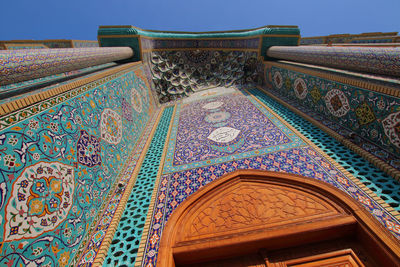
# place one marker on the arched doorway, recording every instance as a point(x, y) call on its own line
point(258, 218)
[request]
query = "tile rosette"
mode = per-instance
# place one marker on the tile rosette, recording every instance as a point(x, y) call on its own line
point(41, 199)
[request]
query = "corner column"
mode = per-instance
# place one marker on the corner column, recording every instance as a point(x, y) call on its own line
point(377, 60)
point(22, 65)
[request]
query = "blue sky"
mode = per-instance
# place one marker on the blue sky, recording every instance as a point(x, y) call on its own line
point(79, 19)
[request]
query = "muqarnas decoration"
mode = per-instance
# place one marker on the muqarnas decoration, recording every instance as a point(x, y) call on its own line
point(179, 73)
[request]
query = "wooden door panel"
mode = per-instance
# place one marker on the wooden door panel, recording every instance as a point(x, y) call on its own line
point(347, 260)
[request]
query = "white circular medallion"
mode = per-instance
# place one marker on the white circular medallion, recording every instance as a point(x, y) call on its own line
point(223, 134)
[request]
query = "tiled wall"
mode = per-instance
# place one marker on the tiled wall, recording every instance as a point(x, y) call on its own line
point(58, 166)
point(372, 114)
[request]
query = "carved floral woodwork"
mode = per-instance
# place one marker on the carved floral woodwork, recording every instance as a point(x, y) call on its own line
point(256, 205)
point(247, 210)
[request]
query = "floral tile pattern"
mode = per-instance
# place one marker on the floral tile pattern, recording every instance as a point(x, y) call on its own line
point(373, 116)
point(224, 128)
point(58, 165)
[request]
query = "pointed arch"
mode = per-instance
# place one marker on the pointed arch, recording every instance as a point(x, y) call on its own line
point(250, 209)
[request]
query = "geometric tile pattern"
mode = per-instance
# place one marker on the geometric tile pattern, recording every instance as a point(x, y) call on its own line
point(125, 244)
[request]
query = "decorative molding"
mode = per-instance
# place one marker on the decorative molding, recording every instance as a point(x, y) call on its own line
point(147, 224)
point(253, 206)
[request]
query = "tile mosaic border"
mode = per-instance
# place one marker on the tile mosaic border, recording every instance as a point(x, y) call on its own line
point(143, 240)
point(132, 222)
point(103, 249)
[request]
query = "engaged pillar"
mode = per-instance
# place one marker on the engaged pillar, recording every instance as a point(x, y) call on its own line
point(378, 60)
point(22, 65)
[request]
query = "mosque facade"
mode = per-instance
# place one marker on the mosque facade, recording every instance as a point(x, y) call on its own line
point(179, 148)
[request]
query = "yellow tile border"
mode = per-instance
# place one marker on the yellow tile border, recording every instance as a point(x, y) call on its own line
point(370, 193)
point(15, 105)
point(325, 74)
point(380, 164)
point(146, 229)
point(102, 252)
